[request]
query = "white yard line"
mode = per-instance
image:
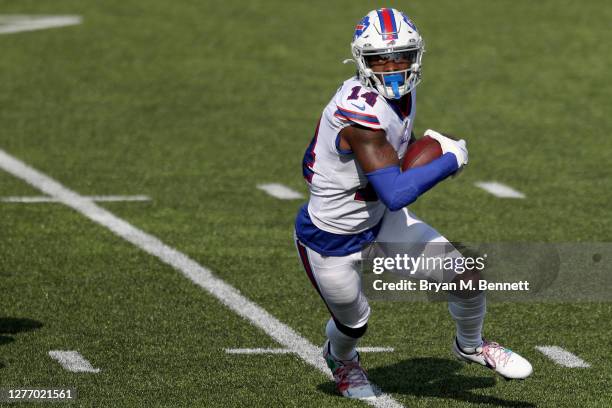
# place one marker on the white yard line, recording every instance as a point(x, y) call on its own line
point(563, 357)
point(280, 191)
point(10, 24)
point(47, 199)
point(73, 361)
point(499, 189)
point(287, 351)
point(198, 274)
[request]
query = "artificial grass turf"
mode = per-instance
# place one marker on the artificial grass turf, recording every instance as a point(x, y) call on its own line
point(195, 103)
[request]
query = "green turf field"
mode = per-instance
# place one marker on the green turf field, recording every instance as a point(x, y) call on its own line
point(194, 103)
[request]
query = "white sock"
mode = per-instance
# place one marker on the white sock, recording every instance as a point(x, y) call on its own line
point(469, 316)
point(342, 346)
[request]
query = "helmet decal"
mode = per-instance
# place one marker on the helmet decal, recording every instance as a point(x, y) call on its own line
point(361, 26)
point(387, 24)
point(409, 22)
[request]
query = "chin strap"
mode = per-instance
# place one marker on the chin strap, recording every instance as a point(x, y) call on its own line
point(394, 81)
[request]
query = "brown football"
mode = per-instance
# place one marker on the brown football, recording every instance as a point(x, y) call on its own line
point(421, 152)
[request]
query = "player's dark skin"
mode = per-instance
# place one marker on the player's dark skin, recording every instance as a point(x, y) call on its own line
point(373, 152)
point(371, 148)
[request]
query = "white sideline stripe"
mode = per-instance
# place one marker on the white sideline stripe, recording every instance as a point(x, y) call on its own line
point(46, 199)
point(499, 189)
point(280, 191)
point(287, 351)
point(225, 293)
point(17, 23)
point(563, 357)
point(73, 361)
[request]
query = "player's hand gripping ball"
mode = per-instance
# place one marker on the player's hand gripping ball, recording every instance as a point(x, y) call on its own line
point(433, 145)
point(421, 152)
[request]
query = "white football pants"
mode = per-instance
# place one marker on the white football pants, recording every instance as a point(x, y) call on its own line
point(337, 278)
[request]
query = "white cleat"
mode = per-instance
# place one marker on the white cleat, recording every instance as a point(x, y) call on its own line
point(503, 361)
point(351, 379)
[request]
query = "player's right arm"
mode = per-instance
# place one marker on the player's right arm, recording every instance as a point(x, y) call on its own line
point(379, 161)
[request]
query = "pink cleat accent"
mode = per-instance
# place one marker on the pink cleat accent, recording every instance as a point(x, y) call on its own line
point(503, 361)
point(351, 379)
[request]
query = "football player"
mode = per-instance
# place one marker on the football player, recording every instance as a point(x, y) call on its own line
point(358, 195)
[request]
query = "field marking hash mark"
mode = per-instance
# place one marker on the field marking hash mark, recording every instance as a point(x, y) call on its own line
point(499, 190)
point(280, 191)
point(201, 276)
point(73, 361)
point(10, 24)
point(287, 351)
point(47, 199)
point(563, 357)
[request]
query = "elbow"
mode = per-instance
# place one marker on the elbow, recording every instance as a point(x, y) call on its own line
point(395, 207)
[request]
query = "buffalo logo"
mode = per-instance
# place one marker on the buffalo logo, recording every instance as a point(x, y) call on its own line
point(361, 27)
point(409, 22)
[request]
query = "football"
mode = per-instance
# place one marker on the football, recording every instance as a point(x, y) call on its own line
point(421, 152)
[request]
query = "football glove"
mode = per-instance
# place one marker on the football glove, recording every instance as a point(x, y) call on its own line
point(456, 147)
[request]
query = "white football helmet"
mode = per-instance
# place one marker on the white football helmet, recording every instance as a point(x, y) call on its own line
point(388, 34)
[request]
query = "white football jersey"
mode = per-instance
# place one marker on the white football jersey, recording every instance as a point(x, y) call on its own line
point(341, 201)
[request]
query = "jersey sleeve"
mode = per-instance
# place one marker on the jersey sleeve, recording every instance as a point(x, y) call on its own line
point(361, 107)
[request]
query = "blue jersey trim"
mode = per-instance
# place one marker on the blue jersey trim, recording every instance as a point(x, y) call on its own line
point(356, 116)
point(341, 151)
point(327, 243)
